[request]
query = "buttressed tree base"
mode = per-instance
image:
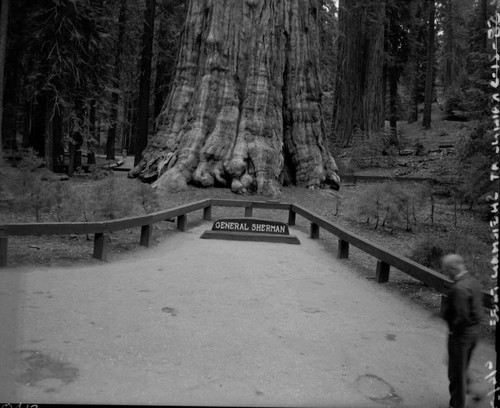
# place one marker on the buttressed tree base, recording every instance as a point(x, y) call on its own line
point(244, 109)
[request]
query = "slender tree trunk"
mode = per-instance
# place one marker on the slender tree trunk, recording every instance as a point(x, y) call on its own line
point(245, 106)
point(393, 95)
point(448, 45)
point(429, 77)
point(347, 109)
point(4, 18)
point(373, 98)
point(111, 140)
point(143, 100)
point(49, 138)
point(359, 93)
point(27, 114)
point(413, 60)
point(53, 136)
point(38, 127)
point(92, 140)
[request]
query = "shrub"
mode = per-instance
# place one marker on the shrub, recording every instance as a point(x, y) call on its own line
point(429, 251)
point(148, 197)
point(107, 202)
point(36, 197)
point(67, 206)
point(391, 204)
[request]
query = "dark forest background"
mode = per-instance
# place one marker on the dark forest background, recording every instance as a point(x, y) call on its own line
point(90, 77)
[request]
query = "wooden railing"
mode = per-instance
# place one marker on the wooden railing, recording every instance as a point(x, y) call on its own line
point(385, 258)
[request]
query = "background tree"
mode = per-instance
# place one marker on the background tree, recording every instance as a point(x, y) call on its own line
point(429, 72)
point(171, 16)
point(145, 80)
point(245, 106)
point(359, 90)
point(399, 16)
point(4, 10)
point(54, 78)
point(113, 120)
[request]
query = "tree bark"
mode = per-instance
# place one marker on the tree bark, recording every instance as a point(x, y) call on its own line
point(111, 140)
point(245, 106)
point(429, 77)
point(359, 96)
point(141, 140)
point(53, 136)
point(393, 74)
point(4, 18)
point(415, 36)
point(374, 92)
point(38, 125)
point(448, 45)
point(347, 110)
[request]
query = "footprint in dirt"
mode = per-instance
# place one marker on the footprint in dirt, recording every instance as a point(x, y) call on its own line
point(170, 310)
point(42, 370)
point(377, 390)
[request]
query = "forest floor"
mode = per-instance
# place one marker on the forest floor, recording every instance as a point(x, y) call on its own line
point(193, 321)
point(339, 207)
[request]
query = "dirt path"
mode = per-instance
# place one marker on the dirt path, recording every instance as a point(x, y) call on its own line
point(207, 322)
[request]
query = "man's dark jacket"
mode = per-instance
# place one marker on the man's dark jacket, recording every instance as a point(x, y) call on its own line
point(464, 305)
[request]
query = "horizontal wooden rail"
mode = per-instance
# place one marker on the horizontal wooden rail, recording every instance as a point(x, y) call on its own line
point(66, 228)
point(269, 205)
point(102, 228)
point(385, 258)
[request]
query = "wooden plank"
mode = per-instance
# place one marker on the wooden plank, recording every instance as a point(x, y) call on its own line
point(291, 217)
point(146, 232)
point(382, 274)
point(182, 222)
point(4, 244)
point(176, 211)
point(248, 211)
point(243, 236)
point(207, 213)
point(343, 249)
point(314, 231)
point(270, 205)
point(63, 228)
point(100, 246)
point(426, 275)
point(220, 202)
point(420, 272)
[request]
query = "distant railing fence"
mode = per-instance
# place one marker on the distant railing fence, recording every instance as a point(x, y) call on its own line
point(385, 258)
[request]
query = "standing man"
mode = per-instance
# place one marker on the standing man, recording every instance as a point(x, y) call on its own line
point(463, 314)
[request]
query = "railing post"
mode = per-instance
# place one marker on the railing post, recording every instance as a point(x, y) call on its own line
point(291, 217)
point(382, 274)
point(3, 247)
point(314, 232)
point(343, 249)
point(182, 222)
point(207, 213)
point(444, 304)
point(100, 246)
point(248, 211)
point(146, 231)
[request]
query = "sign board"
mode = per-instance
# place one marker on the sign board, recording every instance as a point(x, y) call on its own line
point(251, 225)
point(251, 229)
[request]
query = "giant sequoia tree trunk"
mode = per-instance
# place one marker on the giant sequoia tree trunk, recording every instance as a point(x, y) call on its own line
point(245, 106)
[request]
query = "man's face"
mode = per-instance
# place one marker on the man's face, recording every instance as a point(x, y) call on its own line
point(452, 266)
